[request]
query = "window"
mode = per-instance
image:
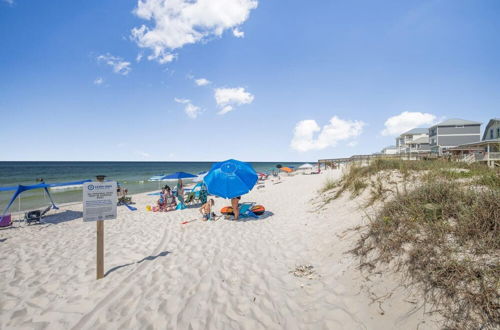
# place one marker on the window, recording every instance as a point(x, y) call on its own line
point(498, 132)
point(491, 133)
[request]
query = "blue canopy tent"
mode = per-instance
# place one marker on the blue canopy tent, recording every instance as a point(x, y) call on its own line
point(19, 189)
point(178, 175)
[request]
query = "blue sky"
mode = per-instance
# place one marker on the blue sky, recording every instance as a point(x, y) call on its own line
point(288, 80)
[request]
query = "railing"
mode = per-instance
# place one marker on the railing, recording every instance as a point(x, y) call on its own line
point(494, 155)
point(488, 156)
point(469, 158)
point(402, 156)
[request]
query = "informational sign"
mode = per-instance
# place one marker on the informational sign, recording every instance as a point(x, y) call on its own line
point(99, 201)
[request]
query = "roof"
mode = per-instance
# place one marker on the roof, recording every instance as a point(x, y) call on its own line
point(390, 147)
point(457, 121)
point(479, 143)
point(492, 121)
point(419, 130)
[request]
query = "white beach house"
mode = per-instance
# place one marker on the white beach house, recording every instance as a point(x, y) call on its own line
point(414, 140)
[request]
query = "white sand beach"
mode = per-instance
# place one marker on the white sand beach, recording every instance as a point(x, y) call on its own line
point(161, 274)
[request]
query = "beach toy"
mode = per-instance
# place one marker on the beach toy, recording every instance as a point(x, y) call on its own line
point(258, 209)
point(148, 207)
point(227, 210)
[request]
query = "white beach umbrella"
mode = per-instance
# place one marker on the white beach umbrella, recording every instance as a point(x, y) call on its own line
point(306, 166)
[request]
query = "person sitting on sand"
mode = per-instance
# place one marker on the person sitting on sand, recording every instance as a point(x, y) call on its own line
point(236, 207)
point(170, 202)
point(161, 201)
point(206, 209)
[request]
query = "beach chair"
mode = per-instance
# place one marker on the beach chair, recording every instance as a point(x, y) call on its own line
point(200, 193)
point(123, 199)
point(189, 198)
point(195, 196)
point(36, 215)
point(5, 221)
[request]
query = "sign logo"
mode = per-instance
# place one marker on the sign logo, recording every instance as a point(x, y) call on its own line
point(90, 187)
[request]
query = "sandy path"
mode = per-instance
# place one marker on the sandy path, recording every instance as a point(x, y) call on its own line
point(202, 275)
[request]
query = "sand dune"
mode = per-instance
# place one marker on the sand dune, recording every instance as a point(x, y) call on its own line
point(201, 275)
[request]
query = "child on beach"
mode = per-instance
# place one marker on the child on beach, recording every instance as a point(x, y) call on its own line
point(169, 197)
point(206, 209)
point(161, 201)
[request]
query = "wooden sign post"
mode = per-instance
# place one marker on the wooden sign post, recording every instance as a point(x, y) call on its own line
point(100, 249)
point(99, 204)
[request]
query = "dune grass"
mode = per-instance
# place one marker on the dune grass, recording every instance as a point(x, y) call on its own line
point(444, 233)
point(447, 239)
point(356, 179)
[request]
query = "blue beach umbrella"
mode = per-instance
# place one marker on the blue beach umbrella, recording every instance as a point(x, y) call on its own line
point(230, 178)
point(178, 175)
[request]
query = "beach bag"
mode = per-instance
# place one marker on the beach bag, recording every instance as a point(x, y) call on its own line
point(5, 221)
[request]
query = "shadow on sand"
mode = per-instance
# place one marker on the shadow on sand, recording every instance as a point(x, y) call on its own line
point(67, 215)
point(266, 214)
point(149, 258)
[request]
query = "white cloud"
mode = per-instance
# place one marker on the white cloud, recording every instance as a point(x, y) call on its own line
point(352, 143)
point(202, 82)
point(98, 81)
point(119, 65)
point(180, 22)
point(305, 139)
point(183, 101)
point(139, 56)
point(406, 120)
point(228, 98)
point(190, 109)
point(237, 33)
point(9, 2)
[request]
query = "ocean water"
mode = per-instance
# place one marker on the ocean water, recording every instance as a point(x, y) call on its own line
point(131, 175)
